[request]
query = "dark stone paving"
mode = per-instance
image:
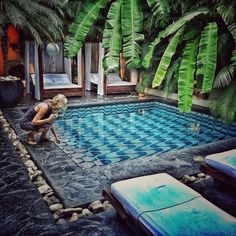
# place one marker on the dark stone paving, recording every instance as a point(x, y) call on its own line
point(23, 211)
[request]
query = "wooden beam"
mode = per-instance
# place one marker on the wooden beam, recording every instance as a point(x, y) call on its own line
point(27, 67)
point(87, 65)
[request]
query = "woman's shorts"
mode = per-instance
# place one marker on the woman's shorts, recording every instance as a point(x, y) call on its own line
point(27, 125)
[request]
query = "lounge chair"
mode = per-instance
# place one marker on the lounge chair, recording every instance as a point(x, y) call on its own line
point(161, 205)
point(58, 83)
point(222, 167)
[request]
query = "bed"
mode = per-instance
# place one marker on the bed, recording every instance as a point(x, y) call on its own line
point(114, 85)
point(54, 84)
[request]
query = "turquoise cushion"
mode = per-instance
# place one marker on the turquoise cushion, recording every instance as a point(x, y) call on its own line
point(151, 192)
point(196, 217)
point(164, 206)
point(224, 161)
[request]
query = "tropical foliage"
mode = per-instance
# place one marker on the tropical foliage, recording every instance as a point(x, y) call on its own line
point(187, 44)
point(40, 20)
point(199, 64)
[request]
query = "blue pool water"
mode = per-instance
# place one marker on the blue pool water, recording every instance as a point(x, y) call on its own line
point(112, 133)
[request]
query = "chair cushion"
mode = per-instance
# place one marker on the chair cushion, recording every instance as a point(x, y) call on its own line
point(164, 206)
point(195, 217)
point(223, 161)
point(152, 192)
point(113, 78)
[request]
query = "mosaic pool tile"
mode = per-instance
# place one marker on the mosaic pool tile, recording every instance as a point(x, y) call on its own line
point(112, 133)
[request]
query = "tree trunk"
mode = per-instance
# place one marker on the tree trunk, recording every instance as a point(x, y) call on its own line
point(5, 52)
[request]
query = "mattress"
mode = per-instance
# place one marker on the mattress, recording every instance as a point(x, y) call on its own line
point(224, 161)
point(113, 79)
point(61, 86)
point(164, 206)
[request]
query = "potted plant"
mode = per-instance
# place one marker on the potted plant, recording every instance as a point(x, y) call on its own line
point(11, 91)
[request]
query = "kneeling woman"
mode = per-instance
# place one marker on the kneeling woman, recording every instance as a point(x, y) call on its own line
point(39, 118)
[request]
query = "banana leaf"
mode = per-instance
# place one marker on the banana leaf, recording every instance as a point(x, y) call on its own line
point(132, 18)
point(207, 56)
point(112, 37)
point(186, 76)
point(166, 59)
point(171, 78)
point(161, 10)
point(80, 27)
point(167, 32)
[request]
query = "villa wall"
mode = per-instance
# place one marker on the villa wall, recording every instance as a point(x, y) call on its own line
point(14, 51)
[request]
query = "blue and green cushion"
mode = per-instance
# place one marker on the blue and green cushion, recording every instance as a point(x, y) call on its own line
point(164, 206)
point(224, 162)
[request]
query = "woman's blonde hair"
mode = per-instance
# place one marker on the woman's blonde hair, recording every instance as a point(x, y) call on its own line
point(58, 103)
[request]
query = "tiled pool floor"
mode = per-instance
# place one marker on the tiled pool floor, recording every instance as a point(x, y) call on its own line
point(102, 135)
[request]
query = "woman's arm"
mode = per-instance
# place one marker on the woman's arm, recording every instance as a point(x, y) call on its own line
point(41, 111)
point(55, 134)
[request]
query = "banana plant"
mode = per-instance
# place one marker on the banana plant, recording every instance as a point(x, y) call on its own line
point(166, 59)
point(123, 29)
point(112, 37)
point(207, 56)
point(171, 29)
point(81, 25)
point(186, 76)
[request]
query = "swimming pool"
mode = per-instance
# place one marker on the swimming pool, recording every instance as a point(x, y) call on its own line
point(107, 134)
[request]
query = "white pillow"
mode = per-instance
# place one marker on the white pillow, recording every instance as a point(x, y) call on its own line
point(113, 77)
point(61, 79)
point(47, 79)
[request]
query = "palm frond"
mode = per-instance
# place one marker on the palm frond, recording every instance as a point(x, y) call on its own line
point(233, 58)
point(186, 76)
point(166, 59)
point(207, 56)
point(80, 27)
point(227, 12)
point(131, 29)
point(223, 103)
point(112, 37)
point(161, 10)
point(225, 76)
point(169, 31)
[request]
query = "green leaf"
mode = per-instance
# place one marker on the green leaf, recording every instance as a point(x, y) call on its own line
point(167, 32)
point(186, 76)
point(171, 78)
point(207, 56)
point(132, 18)
point(166, 59)
point(80, 27)
point(228, 15)
point(161, 10)
point(112, 37)
point(233, 58)
point(223, 103)
point(225, 76)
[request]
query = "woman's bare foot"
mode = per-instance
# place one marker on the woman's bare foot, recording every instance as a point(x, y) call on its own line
point(44, 139)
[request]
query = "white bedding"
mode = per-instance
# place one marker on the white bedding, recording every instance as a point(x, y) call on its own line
point(62, 86)
point(112, 80)
point(56, 81)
